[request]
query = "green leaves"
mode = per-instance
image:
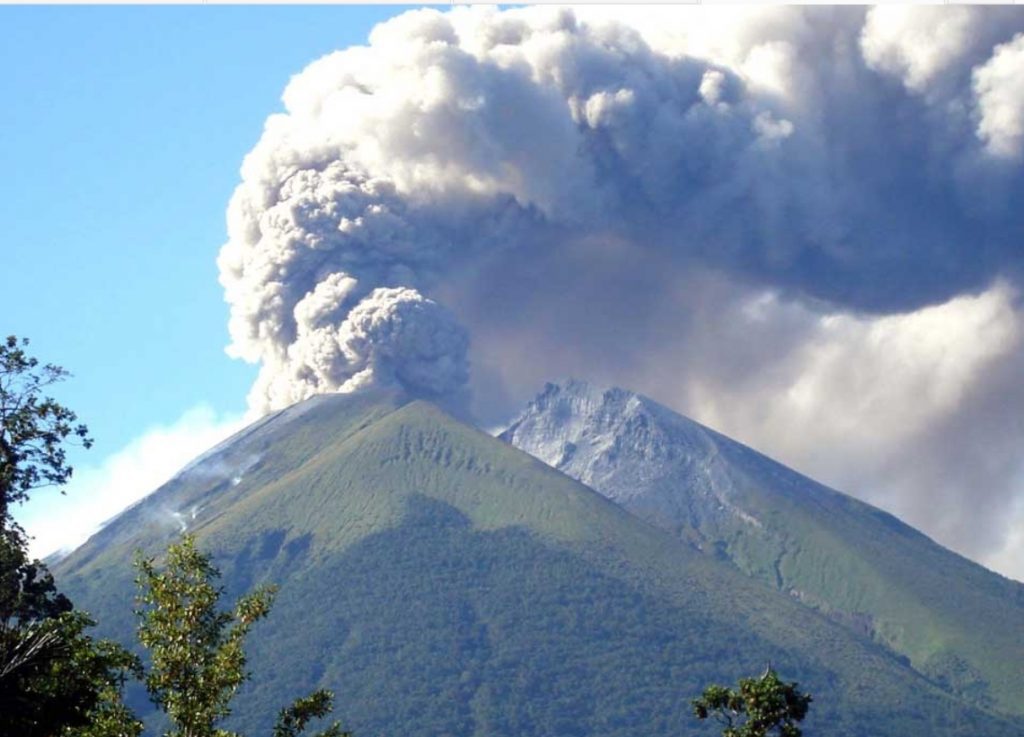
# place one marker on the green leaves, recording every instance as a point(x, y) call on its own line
point(198, 661)
point(33, 428)
point(56, 679)
point(27, 591)
point(197, 651)
point(292, 721)
point(760, 706)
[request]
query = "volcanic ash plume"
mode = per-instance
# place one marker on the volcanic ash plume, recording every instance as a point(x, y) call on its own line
point(390, 337)
point(857, 158)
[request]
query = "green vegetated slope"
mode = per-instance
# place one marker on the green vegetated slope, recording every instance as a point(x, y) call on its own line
point(444, 583)
point(959, 624)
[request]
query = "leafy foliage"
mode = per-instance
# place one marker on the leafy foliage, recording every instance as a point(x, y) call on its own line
point(53, 676)
point(758, 707)
point(27, 590)
point(292, 721)
point(197, 652)
point(33, 428)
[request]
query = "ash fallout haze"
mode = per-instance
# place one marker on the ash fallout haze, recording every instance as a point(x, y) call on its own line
point(801, 226)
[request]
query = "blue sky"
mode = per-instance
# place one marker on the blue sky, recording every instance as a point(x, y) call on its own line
point(121, 135)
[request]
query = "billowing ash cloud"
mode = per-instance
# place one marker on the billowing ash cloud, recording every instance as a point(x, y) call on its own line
point(390, 336)
point(660, 198)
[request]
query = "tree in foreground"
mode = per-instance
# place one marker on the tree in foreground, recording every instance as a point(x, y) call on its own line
point(197, 651)
point(52, 674)
point(758, 708)
point(34, 428)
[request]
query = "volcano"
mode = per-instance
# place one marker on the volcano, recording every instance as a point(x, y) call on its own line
point(441, 581)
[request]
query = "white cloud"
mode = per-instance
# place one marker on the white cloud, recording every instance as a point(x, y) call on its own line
point(917, 412)
point(99, 492)
point(999, 85)
point(856, 372)
point(1009, 558)
point(917, 44)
